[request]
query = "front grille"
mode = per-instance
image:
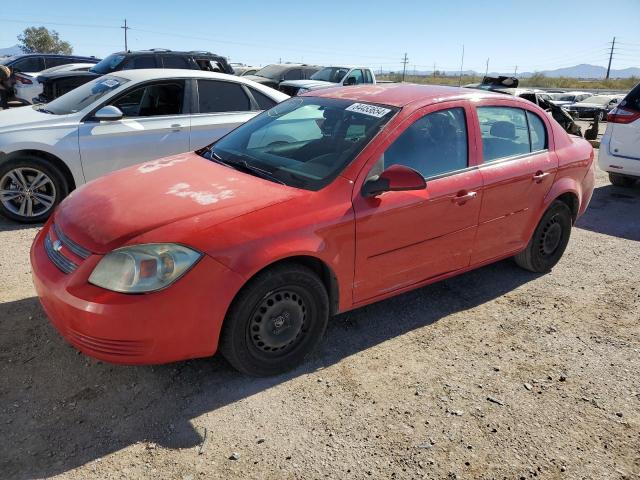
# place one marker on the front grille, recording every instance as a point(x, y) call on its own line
point(59, 260)
point(70, 244)
point(56, 243)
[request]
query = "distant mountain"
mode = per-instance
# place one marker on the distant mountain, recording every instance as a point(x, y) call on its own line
point(589, 71)
point(577, 71)
point(9, 52)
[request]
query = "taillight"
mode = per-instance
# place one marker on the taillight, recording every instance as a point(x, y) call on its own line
point(622, 115)
point(23, 80)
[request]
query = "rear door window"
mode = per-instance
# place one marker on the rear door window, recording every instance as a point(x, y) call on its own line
point(57, 61)
point(174, 61)
point(217, 96)
point(295, 74)
point(144, 61)
point(29, 64)
point(504, 132)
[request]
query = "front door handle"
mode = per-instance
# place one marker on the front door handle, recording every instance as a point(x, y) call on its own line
point(540, 175)
point(176, 127)
point(463, 198)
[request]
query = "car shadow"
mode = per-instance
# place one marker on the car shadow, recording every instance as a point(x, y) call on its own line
point(613, 211)
point(60, 410)
point(7, 225)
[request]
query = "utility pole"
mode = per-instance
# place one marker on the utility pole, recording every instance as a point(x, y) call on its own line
point(613, 44)
point(515, 72)
point(461, 65)
point(434, 69)
point(486, 71)
point(125, 28)
point(405, 60)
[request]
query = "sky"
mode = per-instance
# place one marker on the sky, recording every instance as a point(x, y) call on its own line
point(533, 36)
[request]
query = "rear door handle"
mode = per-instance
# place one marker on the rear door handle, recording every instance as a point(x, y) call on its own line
point(176, 127)
point(461, 199)
point(539, 176)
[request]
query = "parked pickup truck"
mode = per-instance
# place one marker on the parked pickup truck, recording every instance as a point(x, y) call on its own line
point(329, 77)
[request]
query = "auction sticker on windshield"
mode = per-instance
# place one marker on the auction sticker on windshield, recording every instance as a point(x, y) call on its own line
point(366, 109)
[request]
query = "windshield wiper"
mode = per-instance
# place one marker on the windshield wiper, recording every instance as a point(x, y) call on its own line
point(246, 167)
point(44, 110)
point(256, 171)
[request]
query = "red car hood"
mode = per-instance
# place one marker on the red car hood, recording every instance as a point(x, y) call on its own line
point(107, 212)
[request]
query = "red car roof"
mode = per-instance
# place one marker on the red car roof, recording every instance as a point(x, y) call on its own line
point(400, 94)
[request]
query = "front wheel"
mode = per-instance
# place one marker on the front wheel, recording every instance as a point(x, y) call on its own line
point(549, 240)
point(276, 321)
point(30, 188)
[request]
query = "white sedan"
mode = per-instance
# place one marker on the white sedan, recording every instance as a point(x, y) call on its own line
point(112, 122)
point(27, 86)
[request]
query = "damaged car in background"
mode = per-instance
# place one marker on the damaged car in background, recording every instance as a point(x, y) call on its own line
point(509, 86)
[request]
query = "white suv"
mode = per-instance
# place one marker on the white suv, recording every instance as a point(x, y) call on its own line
point(114, 121)
point(620, 146)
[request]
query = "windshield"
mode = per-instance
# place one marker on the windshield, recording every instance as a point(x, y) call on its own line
point(597, 99)
point(304, 142)
point(330, 74)
point(83, 96)
point(271, 71)
point(107, 65)
point(566, 98)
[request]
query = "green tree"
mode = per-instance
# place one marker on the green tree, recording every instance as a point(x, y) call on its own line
point(41, 40)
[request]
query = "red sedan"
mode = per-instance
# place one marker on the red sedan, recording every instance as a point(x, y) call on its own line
point(322, 204)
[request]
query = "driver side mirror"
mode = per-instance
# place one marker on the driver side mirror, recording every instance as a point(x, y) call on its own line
point(396, 178)
point(350, 81)
point(108, 112)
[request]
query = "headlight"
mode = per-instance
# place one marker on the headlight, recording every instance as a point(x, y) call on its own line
point(143, 268)
point(301, 91)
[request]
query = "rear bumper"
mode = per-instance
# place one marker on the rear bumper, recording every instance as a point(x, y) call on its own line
point(182, 321)
point(616, 164)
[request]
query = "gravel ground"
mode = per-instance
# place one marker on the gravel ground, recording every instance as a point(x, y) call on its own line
point(498, 373)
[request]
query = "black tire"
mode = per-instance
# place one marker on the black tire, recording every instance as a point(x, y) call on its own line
point(54, 190)
point(621, 180)
point(549, 240)
point(276, 320)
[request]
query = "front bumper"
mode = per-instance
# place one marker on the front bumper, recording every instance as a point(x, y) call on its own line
point(182, 321)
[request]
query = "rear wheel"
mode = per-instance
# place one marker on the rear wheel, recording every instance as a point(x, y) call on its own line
point(30, 188)
point(275, 321)
point(621, 180)
point(549, 240)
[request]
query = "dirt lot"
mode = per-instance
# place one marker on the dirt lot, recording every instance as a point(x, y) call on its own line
point(498, 373)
